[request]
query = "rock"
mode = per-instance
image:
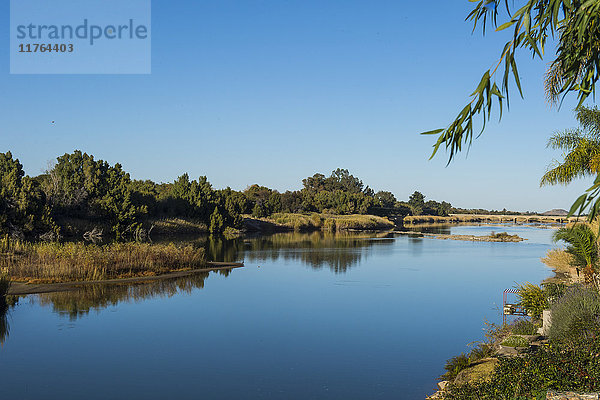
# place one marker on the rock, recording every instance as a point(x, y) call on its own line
point(442, 385)
point(551, 395)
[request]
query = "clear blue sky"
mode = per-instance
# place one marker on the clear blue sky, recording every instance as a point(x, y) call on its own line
point(270, 92)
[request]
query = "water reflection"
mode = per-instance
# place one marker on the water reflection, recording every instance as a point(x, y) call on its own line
point(337, 251)
point(75, 304)
point(439, 229)
point(4, 326)
point(5, 305)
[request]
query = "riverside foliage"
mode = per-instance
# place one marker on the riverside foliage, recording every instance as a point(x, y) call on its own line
point(62, 262)
point(79, 193)
point(569, 362)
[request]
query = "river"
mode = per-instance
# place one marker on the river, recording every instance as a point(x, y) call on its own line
point(310, 316)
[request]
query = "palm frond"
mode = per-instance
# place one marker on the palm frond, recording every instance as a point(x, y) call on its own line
point(589, 119)
point(554, 81)
point(581, 147)
point(565, 140)
point(582, 244)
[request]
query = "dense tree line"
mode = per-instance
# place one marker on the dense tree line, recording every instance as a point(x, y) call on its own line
point(80, 187)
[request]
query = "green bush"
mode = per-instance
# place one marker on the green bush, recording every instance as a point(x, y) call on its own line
point(533, 299)
point(483, 350)
point(523, 327)
point(455, 365)
point(576, 316)
point(515, 341)
point(503, 236)
point(529, 377)
point(554, 291)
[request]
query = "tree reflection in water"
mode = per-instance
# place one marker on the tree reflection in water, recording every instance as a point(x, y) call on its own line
point(5, 305)
point(96, 297)
point(338, 251)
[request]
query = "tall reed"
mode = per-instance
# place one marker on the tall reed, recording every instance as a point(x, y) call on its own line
point(57, 262)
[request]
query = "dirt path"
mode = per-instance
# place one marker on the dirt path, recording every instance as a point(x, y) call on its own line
point(19, 288)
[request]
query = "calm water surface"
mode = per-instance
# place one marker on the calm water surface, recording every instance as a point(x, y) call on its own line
point(311, 316)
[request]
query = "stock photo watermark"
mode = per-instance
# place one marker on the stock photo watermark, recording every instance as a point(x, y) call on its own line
point(80, 37)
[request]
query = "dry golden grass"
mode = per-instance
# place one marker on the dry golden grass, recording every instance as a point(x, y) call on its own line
point(366, 222)
point(175, 226)
point(429, 219)
point(63, 262)
point(558, 259)
point(314, 221)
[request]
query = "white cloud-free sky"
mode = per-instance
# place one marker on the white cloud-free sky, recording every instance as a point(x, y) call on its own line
point(270, 92)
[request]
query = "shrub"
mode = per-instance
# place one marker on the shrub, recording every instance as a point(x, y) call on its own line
point(516, 341)
point(523, 327)
point(554, 291)
point(533, 299)
point(576, 316)
point(504, 236)
point(530, 376)
point(455, 365)
point(483, 350)
point(216, 222)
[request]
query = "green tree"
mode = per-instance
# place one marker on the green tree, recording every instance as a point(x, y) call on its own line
point(216, 222)
point(341, 179)
point(582, 245)
point(80, 185)
point(444, 209)
point(416, 202)
point(259, 210)
point(314, 183)
point(235, 204)
point(22, 202)
point(291, 201)
point(193, 199)
point(581, 147)
point(575, 67)
point(385, 199)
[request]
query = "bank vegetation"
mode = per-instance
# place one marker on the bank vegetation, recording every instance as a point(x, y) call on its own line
point(48, 262)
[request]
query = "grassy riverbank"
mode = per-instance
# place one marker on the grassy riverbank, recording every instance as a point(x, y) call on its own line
point(327, 222)
point(66, 262)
